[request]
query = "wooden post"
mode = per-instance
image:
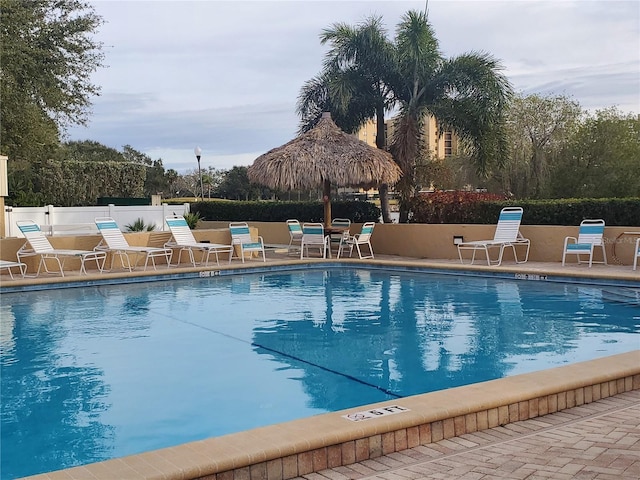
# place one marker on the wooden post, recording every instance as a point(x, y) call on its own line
point(326, 199)
point(4, 192)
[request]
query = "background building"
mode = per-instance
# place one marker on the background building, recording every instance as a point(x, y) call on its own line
point(441, 144)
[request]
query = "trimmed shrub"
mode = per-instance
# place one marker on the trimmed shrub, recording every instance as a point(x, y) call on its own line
point(267, 211)
point(450, 207)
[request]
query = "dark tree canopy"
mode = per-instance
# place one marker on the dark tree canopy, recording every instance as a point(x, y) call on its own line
point(48, 54)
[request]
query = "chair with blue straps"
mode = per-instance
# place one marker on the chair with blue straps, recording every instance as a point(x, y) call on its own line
point(38, 245)
point(114, 242)
point(590, 236)
point(295, 235)
point(183, 239)
point(507, 234)
point(357, 240)
point(243, 243)
point(313, 236)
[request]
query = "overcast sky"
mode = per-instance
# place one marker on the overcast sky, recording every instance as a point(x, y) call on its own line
point(225, 75)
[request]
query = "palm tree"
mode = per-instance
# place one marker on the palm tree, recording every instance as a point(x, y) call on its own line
point(466, 94)
point(352, 85)
point(365, 75)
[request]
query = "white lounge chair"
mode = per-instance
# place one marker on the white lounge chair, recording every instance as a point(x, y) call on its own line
point(590, 235)
point(182, 238)
point(114, 242)
point(241, 238)
point(313, 236)
point(636, 256)
point(295, 234)
point(507, 234)
point(8, 265)
point(362, 238)
point(38, 244)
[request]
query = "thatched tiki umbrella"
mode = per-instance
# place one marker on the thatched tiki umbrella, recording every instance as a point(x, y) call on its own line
point(324, 155)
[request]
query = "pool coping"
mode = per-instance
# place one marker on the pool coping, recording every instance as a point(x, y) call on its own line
point(300, 447)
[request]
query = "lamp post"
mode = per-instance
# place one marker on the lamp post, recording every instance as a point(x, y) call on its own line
point(198, 152)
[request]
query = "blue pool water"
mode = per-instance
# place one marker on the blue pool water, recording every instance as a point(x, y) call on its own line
point(100, 372)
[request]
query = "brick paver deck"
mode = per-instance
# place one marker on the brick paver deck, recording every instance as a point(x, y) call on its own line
point(600, 440)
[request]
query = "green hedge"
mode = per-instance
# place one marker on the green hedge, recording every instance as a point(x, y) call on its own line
point(449, 207)
point(614, 211)
point(267, 211)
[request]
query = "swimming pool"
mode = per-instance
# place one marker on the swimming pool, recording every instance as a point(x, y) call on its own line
point(96, 373)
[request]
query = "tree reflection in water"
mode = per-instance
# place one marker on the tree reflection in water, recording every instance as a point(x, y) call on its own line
point(403, 335)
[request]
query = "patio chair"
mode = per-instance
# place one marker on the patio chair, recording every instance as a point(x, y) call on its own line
point(37, 244)
point(8, 265)
point(242, 241)
point(295, 234)
point(590, 235)
point(183, 239)
point(362, 238)
point(313, 236)
point(636, 256)
point(342, 233)
point(507, 234)
point(115, 243)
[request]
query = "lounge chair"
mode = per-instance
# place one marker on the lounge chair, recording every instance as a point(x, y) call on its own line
point(313, 236)
point(507, 234)
point(114, 242)
point(295, 234)
point(8, 265)
point(362, 238)
point(241, 239)
point(182, 238)
point(38, 244)
point(636, 255)
point(590, 235)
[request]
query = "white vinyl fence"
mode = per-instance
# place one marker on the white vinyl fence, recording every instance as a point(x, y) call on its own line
point(81, 220)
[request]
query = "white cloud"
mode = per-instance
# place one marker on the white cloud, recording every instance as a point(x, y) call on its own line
point(226, 75)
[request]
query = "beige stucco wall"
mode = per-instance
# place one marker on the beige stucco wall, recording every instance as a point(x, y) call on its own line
point(409, 240)
point(436, 241)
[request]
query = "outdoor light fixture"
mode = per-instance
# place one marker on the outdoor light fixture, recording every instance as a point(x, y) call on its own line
point(198, 152)
point(457, 239)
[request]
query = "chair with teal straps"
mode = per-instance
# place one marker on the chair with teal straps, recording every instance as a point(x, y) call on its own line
point(313, 237)
point(507, 234)
point(295, 235)
point(38, 245)
point(114, 242)
point(183, 239)
point(243, 243)
point(590, 236)
point(358, 240)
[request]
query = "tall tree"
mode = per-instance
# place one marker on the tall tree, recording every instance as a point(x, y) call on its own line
point(48, 55)
point(601, 159)
point(466, 94)
point(539, 126)
point(88, 151)
point(352, 85)
point(236, 185)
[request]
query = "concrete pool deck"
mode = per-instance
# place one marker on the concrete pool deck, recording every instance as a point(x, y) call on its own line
point(576, 421)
